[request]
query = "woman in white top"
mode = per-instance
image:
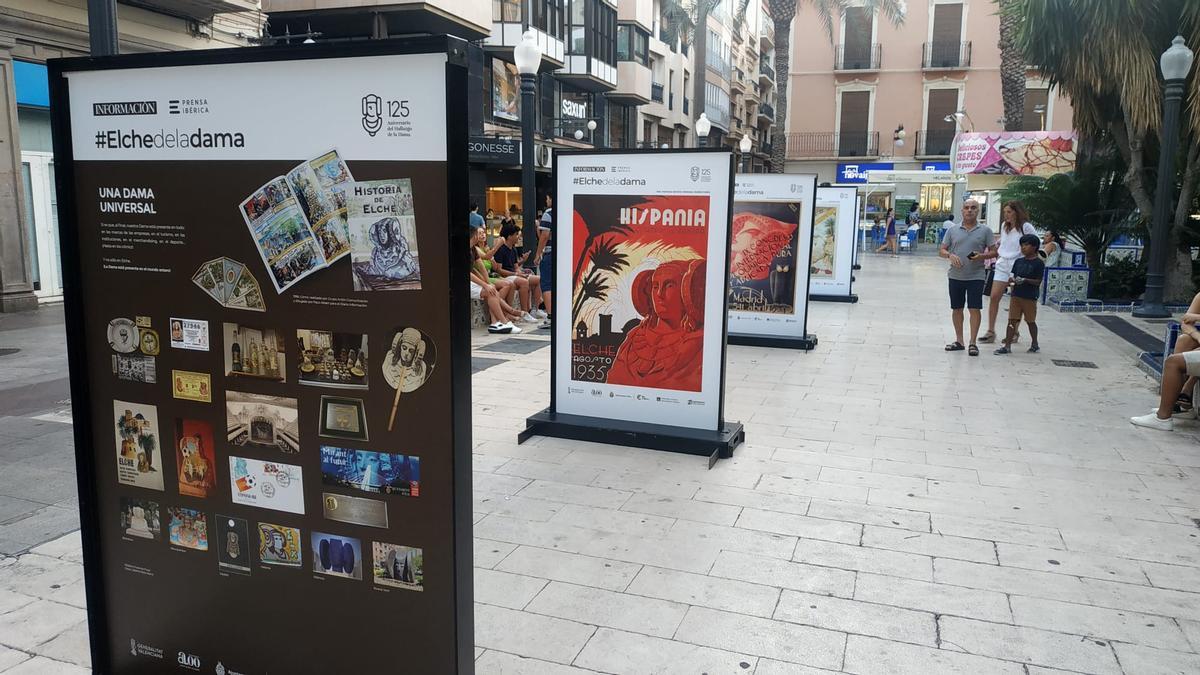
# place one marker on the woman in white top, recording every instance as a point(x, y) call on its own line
point(1052, 247)
point(1016, 223)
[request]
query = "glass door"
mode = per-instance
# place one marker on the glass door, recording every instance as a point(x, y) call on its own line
point(41, 219)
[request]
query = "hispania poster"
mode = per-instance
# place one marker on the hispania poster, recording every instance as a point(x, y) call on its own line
point(769, 254)
point(642, 241)
point(834, 229)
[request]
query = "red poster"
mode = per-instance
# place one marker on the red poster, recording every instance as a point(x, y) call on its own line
point(195, 457)
point(638, 284)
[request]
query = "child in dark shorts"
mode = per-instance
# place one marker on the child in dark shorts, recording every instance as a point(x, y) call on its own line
point(1025, 282)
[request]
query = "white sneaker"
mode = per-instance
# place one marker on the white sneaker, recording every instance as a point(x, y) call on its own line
point(528, 318)
point(1185, 415)
point(539, 314)
point(500, 328)
point(1152, 421)
point(514, 328)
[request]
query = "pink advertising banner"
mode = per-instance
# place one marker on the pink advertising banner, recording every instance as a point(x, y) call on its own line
point(1015, 153)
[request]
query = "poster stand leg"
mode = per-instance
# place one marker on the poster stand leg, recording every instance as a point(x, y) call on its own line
point(806, 343)
point(853, 297)
point(702, 442)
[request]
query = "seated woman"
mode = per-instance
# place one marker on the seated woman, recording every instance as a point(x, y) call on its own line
point(500, 312)
point(1180, 371)
point(486, 267)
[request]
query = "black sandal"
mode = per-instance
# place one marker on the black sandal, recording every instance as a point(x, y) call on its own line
point(955, 346)
point(973, 350)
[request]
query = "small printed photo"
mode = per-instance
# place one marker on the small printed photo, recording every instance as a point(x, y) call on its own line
point(135, 368)
point(355, 510)
point(337, 556)
point(278, 545)
point(370, 471)
point(124, 336)
point(268, 485)
point(410, 360)
point(188, 528)
point(329, 359)
point(140, 518)
point(190, 386)
point(189, 334)
point(195, 457)
point(233, 545)
point(343, 418)
point(262, 422)
point(398, 566)
point(139, 458)
point(254, 352)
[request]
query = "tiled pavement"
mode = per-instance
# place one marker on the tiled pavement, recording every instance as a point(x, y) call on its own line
point(896, 510)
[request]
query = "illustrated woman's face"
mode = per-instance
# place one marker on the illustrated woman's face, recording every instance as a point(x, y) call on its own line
point(667, 295)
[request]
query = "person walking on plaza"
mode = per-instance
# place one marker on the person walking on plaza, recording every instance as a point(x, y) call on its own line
point(963, 245)
point(1025, 281)
point(543, 259)
point(476, 220)
point(1016, 225)
point(890, 233)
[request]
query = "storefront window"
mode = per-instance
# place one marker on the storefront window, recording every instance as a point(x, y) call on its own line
point(633, 44)
point(936, 198)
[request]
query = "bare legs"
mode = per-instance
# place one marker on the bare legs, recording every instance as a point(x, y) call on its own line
point(957, 319)
point(890, 242)
point(1174, 374)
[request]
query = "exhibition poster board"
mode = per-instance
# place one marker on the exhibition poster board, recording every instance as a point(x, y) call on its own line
point(835, 226)
point(769, 256)
point(270, 370)
point(641, 243)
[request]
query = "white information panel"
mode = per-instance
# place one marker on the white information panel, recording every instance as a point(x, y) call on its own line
point(641, 243)
point(771, 242)
point(834, 230)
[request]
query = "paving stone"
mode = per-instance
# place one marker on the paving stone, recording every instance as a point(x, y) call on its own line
point(1112, 624)
point(686, 509)
point(763, 637)
point(996, 530)
point(514, 505)
point(488, 553)
point(802, 487)
point(504, 589)
point(609, 520)
point(873, 656)
point(863, 559)
point(870, 515)
point(1072, 563)
point(649, 616)
point(29, 626)
point(71, 646)
point(613, 651)
point(800, 526)
point(1161, 601)
point(11, 657)
point(38, 575)
point(576, 494)
point(68, 547)
point(583, 570)
point(853, 616)
point(492, 662)
point(532, 635)
point(1179, 577)
point(552, 471)
point(706, 591)
point(770, 667)
point(1192, 630)
point(1009, 580)
point(931, 597)
point(759, 499)
point(1148, 661)
point(734, 539)
point(939, 545)
point(784, 574)
point(1027, 645)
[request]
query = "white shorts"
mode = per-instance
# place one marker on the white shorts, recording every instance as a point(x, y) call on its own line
point(476, 291)
point(1192, 360)
point(1004, 269)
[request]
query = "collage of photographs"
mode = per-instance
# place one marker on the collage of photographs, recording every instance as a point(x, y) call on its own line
point(262, 449)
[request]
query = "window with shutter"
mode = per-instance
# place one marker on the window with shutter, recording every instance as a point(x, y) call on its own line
point(1036, 107)
point(945, 50)
point(853, 131)
point(939, 134)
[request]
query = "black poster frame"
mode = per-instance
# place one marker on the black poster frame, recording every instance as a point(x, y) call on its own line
point(458, 267)
point(714, 444)
point(806, 341)
point(850, 296)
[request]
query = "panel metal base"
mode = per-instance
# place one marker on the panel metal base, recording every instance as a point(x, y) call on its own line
point(853, 297)
point(806, 343)
point(710, 444)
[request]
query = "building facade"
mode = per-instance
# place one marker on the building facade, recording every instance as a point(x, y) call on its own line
point(32, 31)
point(850, 97)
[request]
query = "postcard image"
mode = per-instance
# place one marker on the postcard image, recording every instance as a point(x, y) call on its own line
point(254, 352)
point(195, 457)
point(319, 185)
point(191, 386)
point(135, 368)
point(278, 545)
point(139, 457)
point(188, 528)
point(283, 237)
point(189, 334)
point(246, 294)
point(369, 471)
point(211, 285)
point(343, 418)
point(140, 518)
point(233, 545)
point(262, 422)
point(383, 236)
point(354, 510)
point(337, 556)
point(267, 485)
point(398, 566)
point(329, 359)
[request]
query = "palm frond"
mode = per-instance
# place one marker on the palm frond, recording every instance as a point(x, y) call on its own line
point(606, 257)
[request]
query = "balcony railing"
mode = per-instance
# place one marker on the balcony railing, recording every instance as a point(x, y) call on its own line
point(766, 110)
point(766, 69)
point(934, 142)
point(858, 57)
point(656, 92)
point(810, 144)
point(947, 55)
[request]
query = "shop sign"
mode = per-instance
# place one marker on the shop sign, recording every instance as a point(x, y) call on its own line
point(493, 150)
point(1015, 153)
point(857, 172)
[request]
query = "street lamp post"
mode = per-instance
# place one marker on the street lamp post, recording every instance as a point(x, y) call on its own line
point(528, 56)
point(744, 146)
point(1175, 63)
point(703, 126)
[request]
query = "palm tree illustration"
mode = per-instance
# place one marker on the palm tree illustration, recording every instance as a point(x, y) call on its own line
point(605, 259)
point(596, 229)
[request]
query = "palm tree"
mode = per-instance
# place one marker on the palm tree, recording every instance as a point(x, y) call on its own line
point(605, 258)
point(782, 13)
point(1103, 56)
point(1012, 66)
point(596, 229)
